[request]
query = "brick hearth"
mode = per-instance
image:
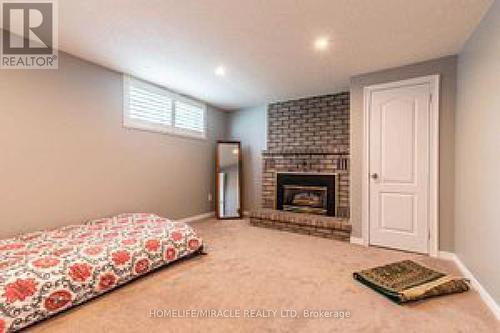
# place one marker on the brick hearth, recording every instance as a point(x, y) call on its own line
point(315, 225)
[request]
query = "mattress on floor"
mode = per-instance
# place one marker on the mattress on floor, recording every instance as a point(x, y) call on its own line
point(43, 273)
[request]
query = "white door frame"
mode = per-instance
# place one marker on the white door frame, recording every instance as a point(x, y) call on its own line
point(433, 81)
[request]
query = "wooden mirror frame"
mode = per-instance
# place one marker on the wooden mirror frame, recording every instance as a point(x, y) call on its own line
point(240, 182)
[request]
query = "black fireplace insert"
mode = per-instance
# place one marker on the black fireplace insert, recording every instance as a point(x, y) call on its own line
point(306, 193)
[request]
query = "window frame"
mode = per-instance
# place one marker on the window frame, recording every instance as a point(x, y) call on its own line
point(139, 124)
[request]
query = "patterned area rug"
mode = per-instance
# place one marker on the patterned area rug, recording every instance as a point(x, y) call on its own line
point(406, 281)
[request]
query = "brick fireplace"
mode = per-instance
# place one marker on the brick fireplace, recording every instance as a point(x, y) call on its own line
point(307, 137)
point(305, 174)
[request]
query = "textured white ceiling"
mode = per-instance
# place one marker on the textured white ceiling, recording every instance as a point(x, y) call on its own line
point(265, 45)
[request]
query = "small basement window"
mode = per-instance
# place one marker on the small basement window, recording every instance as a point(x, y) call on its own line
point(153, 108)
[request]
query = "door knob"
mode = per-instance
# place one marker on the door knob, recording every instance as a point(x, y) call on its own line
point(374, 175)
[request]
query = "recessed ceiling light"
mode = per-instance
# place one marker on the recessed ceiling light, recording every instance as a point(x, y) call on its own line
point(321, 43)
point(220, 70)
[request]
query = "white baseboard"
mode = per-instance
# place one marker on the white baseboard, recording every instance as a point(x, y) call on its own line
point(447, 255)
point(357, 240)
point(485, 296)
point(190, 219)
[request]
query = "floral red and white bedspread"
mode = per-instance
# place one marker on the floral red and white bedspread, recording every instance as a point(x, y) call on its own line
point(43, 273)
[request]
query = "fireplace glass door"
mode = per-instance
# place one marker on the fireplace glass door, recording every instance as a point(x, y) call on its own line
point(228, 179)
point(305, 199)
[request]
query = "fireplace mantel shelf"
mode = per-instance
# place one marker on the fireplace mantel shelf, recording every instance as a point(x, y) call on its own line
point(267, 153)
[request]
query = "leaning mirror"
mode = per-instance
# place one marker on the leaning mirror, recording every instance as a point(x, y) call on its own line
point(228, 180)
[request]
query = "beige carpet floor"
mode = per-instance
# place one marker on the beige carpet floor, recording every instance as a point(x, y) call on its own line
point(250, 268)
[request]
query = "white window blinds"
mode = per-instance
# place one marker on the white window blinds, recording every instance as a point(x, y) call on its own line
point(153, 108)
point(189, 116)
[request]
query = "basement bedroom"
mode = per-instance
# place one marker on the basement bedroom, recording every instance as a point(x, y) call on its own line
point(249, 166)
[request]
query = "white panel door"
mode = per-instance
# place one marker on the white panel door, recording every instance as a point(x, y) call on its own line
point(399, 154)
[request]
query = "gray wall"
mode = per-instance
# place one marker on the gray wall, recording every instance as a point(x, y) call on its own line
point(477, 208)
point(250, 126)
point(447, 68)
point(65, 157)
